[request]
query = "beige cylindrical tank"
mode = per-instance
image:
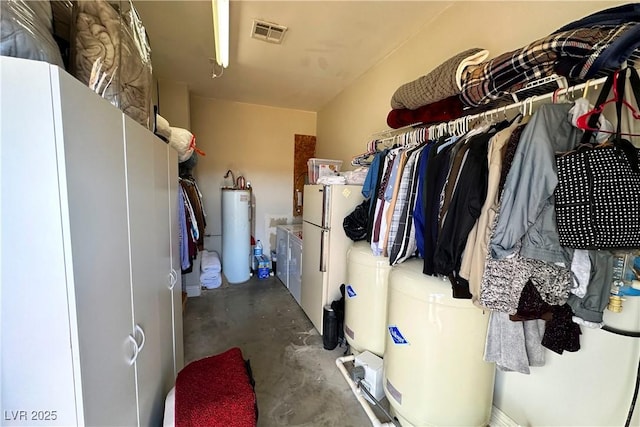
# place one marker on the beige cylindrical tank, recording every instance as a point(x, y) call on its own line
point(434, 372)
point(365, 302)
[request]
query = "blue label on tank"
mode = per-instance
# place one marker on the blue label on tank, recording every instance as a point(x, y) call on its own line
point(396, 336)
point(351, 293)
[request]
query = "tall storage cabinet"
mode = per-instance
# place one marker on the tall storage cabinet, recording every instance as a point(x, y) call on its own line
point(91, 331)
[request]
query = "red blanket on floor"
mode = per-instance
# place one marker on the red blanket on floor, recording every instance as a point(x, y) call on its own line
point(215, 391)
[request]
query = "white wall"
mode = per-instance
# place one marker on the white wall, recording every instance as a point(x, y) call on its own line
point(173, 103)
point(347, 122)
point(591, 387)
point(256, 142)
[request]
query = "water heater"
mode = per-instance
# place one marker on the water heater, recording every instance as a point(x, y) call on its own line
point(236, 234)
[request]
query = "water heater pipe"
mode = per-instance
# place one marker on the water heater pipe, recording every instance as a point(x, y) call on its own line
point(375, 422)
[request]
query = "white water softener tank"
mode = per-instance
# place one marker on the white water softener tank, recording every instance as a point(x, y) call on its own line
point(236, 234)
point(365, 302)
point(434, 372)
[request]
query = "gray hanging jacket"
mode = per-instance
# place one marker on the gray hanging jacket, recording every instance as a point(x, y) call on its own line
point(526, 209)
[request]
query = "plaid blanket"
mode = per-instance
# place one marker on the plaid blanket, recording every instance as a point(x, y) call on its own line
point(577, 53)
point(613, 16)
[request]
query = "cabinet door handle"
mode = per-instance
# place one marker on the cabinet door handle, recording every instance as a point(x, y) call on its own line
point(139, 329)
point(173, 278)
point(135, 349)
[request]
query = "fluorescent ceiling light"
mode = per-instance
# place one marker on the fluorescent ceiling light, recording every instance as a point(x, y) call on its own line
point(220, 10)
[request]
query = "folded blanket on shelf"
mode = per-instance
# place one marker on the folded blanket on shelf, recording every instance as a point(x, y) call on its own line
point(440, 111)
point(26, 31)
point(613, 16)
point(112, 39)
point(97, 36)
point(609, 53)
point(577, 53)
point(444, 81)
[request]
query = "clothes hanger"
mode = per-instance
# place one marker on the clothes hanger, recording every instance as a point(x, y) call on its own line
point(467, 123)
point(431, 132)
point(582, 122)
point(585, 91)
point(423, 135)
point(461, 129)
point(556, 92)
point(361, 159)
point(528, 106)
point(455, 127)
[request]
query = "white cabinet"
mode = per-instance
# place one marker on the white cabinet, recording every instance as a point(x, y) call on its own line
point(174, 263)
point(295, 267)
point(154, 283)
point(282, 255)
point(91, 332)
point(289, 257)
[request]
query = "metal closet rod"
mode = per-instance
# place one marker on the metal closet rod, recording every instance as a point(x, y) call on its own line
point(524, 104)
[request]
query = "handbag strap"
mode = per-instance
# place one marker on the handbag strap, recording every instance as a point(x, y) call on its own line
point(627, 148)
point(634, 81)
point(602, 97)
point(620, 83)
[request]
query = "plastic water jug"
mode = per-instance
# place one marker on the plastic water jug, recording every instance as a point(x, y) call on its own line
point(257, 249)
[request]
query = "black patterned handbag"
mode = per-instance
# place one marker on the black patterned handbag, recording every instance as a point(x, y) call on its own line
point(597, 199)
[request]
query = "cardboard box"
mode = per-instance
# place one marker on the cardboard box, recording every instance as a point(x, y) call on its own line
point(264, 266)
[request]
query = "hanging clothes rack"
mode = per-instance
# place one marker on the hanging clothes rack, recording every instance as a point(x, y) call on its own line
point(525, 107)
point(460, 125)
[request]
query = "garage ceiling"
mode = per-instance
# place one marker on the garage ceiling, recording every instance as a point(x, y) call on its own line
point(327, 46)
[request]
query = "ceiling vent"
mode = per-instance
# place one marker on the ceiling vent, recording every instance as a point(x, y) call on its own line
point(268, 31)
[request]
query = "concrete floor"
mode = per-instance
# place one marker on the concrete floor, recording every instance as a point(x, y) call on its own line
point(297, 381)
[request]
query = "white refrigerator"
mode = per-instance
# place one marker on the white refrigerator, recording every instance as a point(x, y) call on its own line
point(325, 245)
